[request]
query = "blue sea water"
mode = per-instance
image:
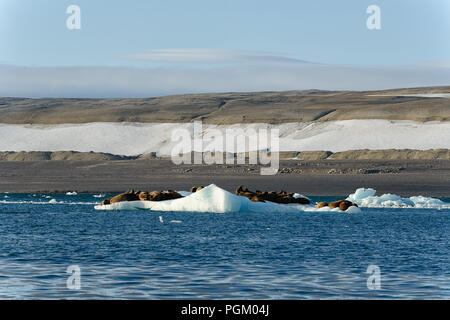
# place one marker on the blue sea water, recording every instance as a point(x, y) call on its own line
point(132, 255)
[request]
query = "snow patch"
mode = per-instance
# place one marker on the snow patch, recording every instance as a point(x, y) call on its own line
point(132, 139)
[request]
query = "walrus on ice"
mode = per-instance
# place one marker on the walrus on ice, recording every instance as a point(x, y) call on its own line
point(125, 197)
point(341, 204)
point(143, 196)
point(278, 197)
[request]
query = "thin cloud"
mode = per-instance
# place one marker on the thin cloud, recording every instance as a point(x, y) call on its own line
point(213, 56)
point(92, 82)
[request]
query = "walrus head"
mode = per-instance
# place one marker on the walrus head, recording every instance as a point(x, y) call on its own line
point(239, 189)
point(322, 204)
point(144, 196)
point(257, 199)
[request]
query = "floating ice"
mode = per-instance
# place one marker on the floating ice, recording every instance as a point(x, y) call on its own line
point(214, 200)
point(74, 193)
point(367, 198)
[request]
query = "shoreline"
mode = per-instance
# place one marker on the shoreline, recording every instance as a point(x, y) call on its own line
point(312, 178)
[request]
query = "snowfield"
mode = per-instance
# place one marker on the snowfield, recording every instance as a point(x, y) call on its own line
point(139, 138)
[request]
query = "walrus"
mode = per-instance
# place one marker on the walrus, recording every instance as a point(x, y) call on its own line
point(173, 194)
point(124, 197)
point(301, 200)
point(195, 189)
point(156, 196)
point(322, 204)
point(144, 196)
point(162, 196)
point(257, 199)
point(278, 197)
point(239, 189)
point(106, 201)
point(345, 204)
point(342, 204)
point(335, 204)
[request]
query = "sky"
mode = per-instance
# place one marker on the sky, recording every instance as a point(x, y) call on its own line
point(148, 48)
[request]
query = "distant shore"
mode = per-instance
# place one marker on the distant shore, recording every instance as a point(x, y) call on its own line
point(317, 177)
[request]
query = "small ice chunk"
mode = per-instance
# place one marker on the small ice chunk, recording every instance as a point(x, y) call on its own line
point(353, 209)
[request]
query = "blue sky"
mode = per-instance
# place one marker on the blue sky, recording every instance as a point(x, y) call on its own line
point(180, 35)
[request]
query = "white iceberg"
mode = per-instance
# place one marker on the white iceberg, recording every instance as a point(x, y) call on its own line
point(213, 199)
point(368, 198)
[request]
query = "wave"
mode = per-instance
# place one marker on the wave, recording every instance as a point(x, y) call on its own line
point(52, 201)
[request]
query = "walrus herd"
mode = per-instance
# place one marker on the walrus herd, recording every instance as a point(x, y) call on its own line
point(281, 197)
point(272, 196)
point(143, 196)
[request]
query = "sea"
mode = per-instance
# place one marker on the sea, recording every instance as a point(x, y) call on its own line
point(57, 246)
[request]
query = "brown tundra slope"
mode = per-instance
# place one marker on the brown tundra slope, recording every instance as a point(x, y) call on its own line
point(228, 108)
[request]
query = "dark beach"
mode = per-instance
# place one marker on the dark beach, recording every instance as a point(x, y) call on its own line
point(320, 177)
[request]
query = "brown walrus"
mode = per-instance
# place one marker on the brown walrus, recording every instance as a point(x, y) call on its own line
point(195, 189)
point(345, 204)
point(302, 200)
point(124, 197)
point(281, 197)
point(173, 194)
point(322, 204)
point(144, 196)
point(162, 196)
point(257, 199)
point(341, 204)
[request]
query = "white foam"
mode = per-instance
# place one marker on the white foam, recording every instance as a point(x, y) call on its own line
point(368, 198)
point(52, 201)
point(132, 138)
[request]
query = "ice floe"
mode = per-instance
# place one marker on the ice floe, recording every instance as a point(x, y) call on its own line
point(368, 198)
point(215, 200)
